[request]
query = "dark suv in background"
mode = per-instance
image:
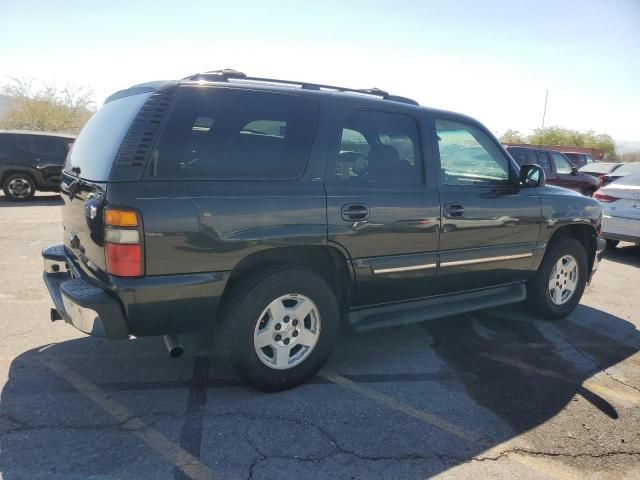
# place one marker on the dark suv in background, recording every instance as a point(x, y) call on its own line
point(267, 213)
point(558, 169)
point(31, 161)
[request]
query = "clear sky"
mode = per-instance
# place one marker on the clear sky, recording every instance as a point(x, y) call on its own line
point(490, 59)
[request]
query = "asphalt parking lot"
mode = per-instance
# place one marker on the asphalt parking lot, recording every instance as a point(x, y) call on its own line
point(491, 394)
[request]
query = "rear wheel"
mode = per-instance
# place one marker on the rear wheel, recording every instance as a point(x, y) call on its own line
point(611, 244)
point(19, 187)
point(278, 328)
point(559, 283)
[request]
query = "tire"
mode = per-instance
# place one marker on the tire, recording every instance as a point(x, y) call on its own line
point(19, 187)
point(262, 309)
point(539, 289)
point(611, 244)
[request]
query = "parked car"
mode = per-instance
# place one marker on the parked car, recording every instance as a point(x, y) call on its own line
point(623, 170)
point(579, 159)
point(621, 202)
point(558, 169)
point(599, 169)
point(31, 161)
point(267, 213)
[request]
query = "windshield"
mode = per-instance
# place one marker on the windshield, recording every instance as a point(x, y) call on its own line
point(600, 167)
point(628, 168)
point(632, 179)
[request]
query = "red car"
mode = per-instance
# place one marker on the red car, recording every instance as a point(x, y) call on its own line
point(558, 169)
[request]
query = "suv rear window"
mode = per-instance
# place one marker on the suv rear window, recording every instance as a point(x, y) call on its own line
point(224, 134)
point(95, 149)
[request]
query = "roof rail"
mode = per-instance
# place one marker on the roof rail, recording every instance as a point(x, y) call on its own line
point(227, 74)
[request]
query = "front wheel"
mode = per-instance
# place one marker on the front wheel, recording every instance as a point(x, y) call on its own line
point(279, 328)
point(559, 283)
point(19, 187)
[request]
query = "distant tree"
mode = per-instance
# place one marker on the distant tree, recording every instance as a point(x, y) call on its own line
point(629, 157)
point(47, 109)
point(564, 136)
point(512, 136)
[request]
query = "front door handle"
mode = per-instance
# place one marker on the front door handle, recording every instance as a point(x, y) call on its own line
point(453, 210)
point(355, 212)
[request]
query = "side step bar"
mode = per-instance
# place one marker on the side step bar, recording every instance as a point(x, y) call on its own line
point(435, 307)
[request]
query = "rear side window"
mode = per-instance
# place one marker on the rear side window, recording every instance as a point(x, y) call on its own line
point(545, 162)
point(222, 134)
point(379, 148)
point(42, 145)
point(7, 144)
point(53, 146)
point(95, 149)
point(523, 156)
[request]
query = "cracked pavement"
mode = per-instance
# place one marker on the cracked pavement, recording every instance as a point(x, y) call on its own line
point(492, 394)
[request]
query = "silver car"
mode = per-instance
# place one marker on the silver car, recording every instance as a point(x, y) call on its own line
point(621, 205)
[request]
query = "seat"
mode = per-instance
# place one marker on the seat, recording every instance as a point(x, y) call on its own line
point(385, 166)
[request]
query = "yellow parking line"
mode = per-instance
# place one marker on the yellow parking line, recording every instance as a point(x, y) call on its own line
point(177, 456)
point(551, 468)
point(588, 384)
point(400, 406)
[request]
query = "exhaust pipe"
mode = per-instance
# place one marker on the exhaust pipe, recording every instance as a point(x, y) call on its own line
point(174, 347)
point(55, 315)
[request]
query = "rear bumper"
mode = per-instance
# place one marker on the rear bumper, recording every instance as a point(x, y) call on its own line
point(80, 303)
point(152, 305)
point(619, 228)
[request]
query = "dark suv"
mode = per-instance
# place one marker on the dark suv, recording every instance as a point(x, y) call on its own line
point(558, 169)
point(268, 213)
point(31, 161)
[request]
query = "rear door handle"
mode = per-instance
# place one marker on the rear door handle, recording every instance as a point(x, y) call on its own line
point(453, 210)
point(355, 211)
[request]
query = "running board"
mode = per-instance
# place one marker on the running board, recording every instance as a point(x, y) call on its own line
point(435, 307)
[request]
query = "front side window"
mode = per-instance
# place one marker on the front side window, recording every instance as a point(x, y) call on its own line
point(468, 157)
point(562, 164)
point(221, 134)
point(379, 148)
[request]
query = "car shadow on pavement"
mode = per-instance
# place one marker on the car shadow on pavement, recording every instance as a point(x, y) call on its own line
point(406, 402)
point(44, 200)
point(626, 253)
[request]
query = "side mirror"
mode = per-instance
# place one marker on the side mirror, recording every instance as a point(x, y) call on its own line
point(532, 176)
point(574, 170)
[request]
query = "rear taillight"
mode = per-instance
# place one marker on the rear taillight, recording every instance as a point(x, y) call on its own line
point(123, 246)
point(603, 197)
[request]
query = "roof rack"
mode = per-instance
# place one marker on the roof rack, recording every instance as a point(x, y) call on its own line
point(229, 74)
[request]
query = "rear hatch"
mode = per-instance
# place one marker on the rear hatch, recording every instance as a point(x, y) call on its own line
point(87, 172)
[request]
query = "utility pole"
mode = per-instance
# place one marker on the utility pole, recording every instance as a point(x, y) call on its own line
point(544, 112)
